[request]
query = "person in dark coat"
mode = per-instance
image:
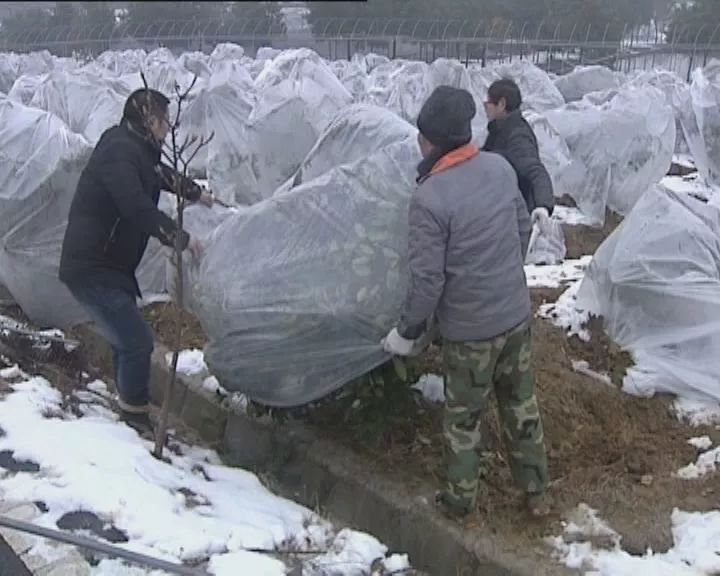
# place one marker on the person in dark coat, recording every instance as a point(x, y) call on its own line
point(112, 216)
point(511, 136)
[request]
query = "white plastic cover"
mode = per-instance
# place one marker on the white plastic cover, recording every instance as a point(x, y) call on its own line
point(538, 91)
point(619, 148)
point(24, 88)
point(225, 52)
point(554, 152)
point(296, 292)
point(223, 105)
point(547, 245)
point(656, 281)
point(586, 79)
point(12, 66)
point(675, 90)
point(124, 62)
point(700, 118)
point(297, 97)
point(404, 86)
point(196, 63)
point(88, 104)
point(40, 164)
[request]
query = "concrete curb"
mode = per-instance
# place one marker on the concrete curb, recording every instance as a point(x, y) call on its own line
point(344, 485)
point(67, 561)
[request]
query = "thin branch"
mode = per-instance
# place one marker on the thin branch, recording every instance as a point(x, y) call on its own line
point(203, 143)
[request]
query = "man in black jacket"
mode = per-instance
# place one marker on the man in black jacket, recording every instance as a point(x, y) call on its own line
point(512, 137)
point(112, 216)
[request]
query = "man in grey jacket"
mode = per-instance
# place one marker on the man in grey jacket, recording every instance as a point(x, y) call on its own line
point(469, 232)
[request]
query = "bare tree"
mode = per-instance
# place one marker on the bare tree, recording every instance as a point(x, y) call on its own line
point(179, 155)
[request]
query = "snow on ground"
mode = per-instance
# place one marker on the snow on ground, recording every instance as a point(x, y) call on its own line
point(701, 443)
point(556, 275)
point(696, 551)
point(565, 314)
point(432, 387)
point(190, 508)
point(583, 367)
point(190, 362)
point(571, 216)
point(685, 160)
point(692, 184)
point(707, 463)
point(697, 412)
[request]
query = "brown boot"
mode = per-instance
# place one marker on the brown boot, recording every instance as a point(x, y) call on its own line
point(537, 505)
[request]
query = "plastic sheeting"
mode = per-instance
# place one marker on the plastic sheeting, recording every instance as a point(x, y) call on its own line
point(88, 104)
point(124, 62)
point(296, 292)
point(297, 97)
point(223, 105)
point(356, 133)
point(40, 164)
point(24, 88)
point(586, 79)
point(547, 246)
point(538, 90)
point(404, 86)
point(554, 152)
point(656, 281)
point(619, 148)
point(700, 119)
point(675, 90)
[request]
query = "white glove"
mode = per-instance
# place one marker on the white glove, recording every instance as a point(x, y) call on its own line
point(541, 217)
point(395, 344)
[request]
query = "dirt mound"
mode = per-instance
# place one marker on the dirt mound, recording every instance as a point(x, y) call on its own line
point(585, 240)
point(161, 318)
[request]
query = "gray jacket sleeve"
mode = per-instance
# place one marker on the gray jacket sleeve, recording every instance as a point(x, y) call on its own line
point(426, 259)
point(522, 153)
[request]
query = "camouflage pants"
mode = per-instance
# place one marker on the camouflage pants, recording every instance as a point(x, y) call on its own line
point(472, 371)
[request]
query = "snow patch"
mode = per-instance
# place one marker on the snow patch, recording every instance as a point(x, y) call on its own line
point(583, 367)
point(190, 362)
point(692, 184)
point(432, 387)
point(249, 563)
point(702, 443)
point(211, 384)
point(565, 314)
point(697, 412)
point(188, 508)
point(696, 551)
point(556, 275)
point(572, 216)
point(706, 463)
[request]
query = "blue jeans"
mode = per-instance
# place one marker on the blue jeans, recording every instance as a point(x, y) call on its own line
point(119, 321)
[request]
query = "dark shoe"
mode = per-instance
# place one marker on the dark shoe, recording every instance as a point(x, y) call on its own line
point(537, 505)
point(141, 423)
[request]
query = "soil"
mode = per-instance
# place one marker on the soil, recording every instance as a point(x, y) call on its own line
point(584, 240)
point(162, 320)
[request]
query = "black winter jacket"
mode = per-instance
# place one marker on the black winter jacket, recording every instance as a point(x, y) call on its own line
point(115, 210)
point(513, 138)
